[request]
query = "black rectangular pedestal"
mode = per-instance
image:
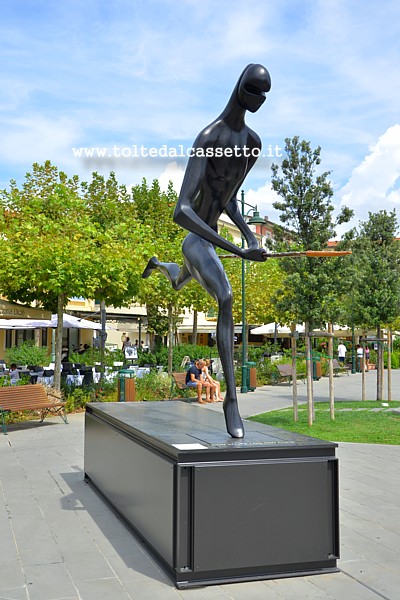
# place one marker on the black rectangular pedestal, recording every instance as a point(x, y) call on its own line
point(216, 509)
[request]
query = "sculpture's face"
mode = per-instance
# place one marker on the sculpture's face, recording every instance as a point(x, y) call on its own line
point(254, 84)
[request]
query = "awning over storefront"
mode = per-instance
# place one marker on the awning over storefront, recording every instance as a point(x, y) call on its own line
point(200, 328)
point(13, 310)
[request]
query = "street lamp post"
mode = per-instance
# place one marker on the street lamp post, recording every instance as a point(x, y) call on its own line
point(353, 350)
point(254, 220)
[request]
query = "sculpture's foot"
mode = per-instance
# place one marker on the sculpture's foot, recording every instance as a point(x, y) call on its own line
point(151, 265)
point(234, 424)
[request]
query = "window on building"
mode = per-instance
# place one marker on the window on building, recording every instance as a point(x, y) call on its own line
point(9, 338)
point(24, 335)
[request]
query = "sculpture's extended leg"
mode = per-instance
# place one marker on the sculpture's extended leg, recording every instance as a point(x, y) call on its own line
point(205, 266)
point(176, 275)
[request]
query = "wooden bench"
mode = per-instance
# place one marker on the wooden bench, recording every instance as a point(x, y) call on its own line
point(32, 398)
point(339, 367)
point(286, 373)
point(179, 382)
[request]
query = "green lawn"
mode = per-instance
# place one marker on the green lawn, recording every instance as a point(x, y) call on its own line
point(354, 425)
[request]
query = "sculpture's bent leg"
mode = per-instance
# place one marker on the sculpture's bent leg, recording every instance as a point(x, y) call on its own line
point(203, 263)
point(177, 276)
point(225, 341)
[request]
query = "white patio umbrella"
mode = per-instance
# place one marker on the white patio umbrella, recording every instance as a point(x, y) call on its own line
point(68, 321)
point(269, 329)
point(11, 323)
point(75, 322)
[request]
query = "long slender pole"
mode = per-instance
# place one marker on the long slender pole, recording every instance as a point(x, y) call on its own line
point(363, 382)
point(330, 366)
point(53, 346)
point(244, 388)
point(389, 366)
point(294, 372)
point(103, 337)
point(309, 367)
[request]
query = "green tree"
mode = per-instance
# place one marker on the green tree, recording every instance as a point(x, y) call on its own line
point(375, 298)
point(306, 209)
point(60, 240)
point(163, 238)
point(262, 281)
point(47, 243)
point(119, 239)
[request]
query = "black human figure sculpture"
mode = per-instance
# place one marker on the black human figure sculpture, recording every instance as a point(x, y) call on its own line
point(223, 154)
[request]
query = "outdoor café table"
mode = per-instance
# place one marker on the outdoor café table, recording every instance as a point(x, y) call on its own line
point(109, 375)
point(34, 375)
point(142, 371)
point(74, 379)
point(45, 380)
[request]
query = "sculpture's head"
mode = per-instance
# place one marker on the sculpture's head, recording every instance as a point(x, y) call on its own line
point(253, 84)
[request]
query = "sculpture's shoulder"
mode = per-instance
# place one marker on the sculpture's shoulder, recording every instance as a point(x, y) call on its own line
point(211, 134)
point(254, 139)
point(219, 132)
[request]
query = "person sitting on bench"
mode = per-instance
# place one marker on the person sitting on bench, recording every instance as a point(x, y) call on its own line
point(194, 378)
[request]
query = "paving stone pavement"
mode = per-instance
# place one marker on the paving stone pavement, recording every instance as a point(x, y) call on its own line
point(59, 541)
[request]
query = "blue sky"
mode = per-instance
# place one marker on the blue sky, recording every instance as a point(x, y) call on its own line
point(121, 73)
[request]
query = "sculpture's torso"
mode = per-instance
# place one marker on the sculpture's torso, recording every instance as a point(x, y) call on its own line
point(226, 156)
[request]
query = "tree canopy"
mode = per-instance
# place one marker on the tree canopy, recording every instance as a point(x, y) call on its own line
point(59, 241)
point(375, 297)
point(310, 286)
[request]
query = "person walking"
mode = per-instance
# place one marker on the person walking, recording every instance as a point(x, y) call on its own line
point(360, 356)
point(367, 358)
point(341, 352)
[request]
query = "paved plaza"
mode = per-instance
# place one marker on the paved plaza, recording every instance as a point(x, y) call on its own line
point(59, 541)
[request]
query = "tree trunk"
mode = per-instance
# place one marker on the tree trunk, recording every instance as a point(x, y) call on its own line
point(194, 336)
point(389, 366)
point(310, 400)
point(58, 345)
point(363, 391)
point(103, 337)
point(379, 366)
point(170, 338)
point(330, 367)
point(294, 371)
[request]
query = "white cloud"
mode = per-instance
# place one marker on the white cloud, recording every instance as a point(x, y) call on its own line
point(173, 172)
point(36, 138)
point(372, 184)
point(105, 74)
point(263, 198)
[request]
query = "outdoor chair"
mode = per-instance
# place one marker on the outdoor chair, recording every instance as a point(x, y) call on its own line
point(87, 373)
point(47, 378)
point(48, 373)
